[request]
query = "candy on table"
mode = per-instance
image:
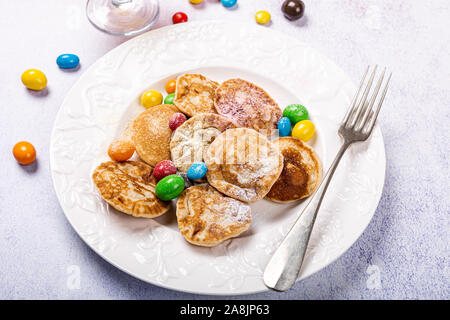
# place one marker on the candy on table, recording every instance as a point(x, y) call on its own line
point(303, 130)
point(262, 17)
point(179, 17)
point(169, 187)
point(295, 113)
point(169, 99)
point(171, 85)
point(195, 1)
point(120, 150)
point(34, 79)
point(163, 169)
point(284, 127)
point(293, 9)
point(228, 3)
point(68, 61)
point(151, 98)
point(176, 120)
point(197, 170)
point(24, 152)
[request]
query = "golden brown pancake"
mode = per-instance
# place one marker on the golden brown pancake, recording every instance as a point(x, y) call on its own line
point(302, 171)
point(207, 218)
point(247, 105)
point(243, 164)
point(151, 133)
point(194, 94)
point(130, 188)
point(191, 140)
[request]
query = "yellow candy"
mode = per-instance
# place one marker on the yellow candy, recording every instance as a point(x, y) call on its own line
point(303, 130)
point(195, 1)
point(151, 98)
point(262, 17)
point(34, 79)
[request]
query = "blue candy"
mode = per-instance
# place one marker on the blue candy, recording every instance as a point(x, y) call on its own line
point(197, 170)
point(228, 3)
point(68, 61)
point(284, 127)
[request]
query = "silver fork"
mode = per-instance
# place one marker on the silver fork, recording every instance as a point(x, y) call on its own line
point(284, 267)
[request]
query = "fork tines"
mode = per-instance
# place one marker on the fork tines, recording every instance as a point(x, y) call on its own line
point(360, 115)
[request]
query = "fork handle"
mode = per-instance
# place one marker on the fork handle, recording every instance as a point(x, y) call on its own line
point(284, 267)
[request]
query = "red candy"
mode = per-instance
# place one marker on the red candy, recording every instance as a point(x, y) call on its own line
point(163, 169)
point(176, 120)
point(179, 17)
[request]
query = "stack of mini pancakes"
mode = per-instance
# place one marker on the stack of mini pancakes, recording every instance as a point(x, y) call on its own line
point(230, 127)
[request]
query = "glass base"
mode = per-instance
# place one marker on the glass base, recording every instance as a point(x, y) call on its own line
point(123, 17)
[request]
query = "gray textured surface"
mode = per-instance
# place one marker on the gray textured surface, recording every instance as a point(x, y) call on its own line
point(405, 247)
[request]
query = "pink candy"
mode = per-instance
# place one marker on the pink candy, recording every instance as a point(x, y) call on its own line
point(163, 169)
point(176, 120)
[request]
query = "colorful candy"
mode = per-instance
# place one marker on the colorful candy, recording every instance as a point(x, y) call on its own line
point(295, 113)
point(284, 127)
point(34, 79)
point(195, 1)
point(293, 9)
point(197, 170)
point(169, 187)
point(176, 120)
point(228, 3)
point(68, 61)
point(24, 152)
point(120, 150)
point(171, 85)
point(262, 17)
point(151, 98)
point(169, 98)
point(163, 169)
point(179, 17)
point(303, 130)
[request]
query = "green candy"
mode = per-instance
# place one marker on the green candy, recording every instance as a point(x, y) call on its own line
point(169, 187)
point(295, 113)
point(169, 98)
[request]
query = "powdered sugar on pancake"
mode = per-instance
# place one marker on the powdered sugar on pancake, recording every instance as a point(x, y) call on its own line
point(207, 218)
point(247, 104)
point(194, 94)
point(191, 140)
point(243, 164)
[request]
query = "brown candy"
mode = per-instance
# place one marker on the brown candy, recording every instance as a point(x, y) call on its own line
point(293, 9)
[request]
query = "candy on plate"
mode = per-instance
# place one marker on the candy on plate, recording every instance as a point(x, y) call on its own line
point(304, 130)
point(169, 187)
point(151, 98)
point(163, 169)
point(284, 127)
point(197, 170)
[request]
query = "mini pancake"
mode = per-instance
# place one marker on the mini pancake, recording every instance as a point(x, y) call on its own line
point(151, 133)
point(302, 171)
point(243, 164)
point(207, 218)
point(247, 105)
point(191, 140)
point(194, 94)
point(130, 188)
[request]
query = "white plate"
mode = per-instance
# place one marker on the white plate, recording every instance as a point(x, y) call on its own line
point(107, 96)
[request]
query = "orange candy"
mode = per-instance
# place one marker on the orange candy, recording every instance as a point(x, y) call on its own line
point(170, 86)
point(120, 150)
point(24, 152)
